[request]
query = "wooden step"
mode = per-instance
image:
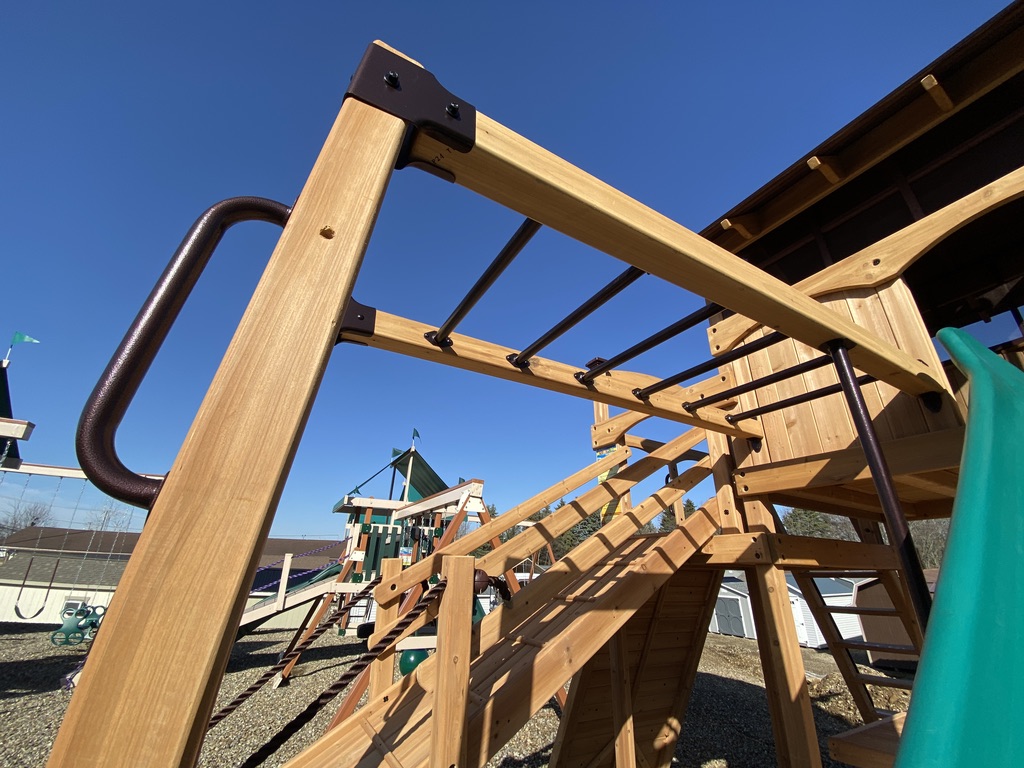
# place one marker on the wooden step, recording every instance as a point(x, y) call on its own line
point(886, 682)
point(870, 746)
point(859, 611)
point(858, 645)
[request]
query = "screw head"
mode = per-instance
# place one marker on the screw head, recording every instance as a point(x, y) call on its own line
point(453, 109)
point(391, 78)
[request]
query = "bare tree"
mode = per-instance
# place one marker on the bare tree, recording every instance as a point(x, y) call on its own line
point(112, 516)
point(18, 515)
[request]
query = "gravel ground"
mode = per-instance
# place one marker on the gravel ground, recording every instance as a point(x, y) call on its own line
point(728, 693)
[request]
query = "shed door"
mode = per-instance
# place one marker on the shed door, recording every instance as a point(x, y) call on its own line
point(798, 619)
point(730, 617)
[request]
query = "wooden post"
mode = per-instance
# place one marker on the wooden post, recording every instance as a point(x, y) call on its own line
point(796, 741)
point(146, 695)
point(282, 587)
point(382, 671)
point(622, 702)
point(454, 631)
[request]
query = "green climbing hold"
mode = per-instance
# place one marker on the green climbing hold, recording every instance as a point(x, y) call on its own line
point(409, 660)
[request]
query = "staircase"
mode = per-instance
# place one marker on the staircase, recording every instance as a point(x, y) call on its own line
point(531, 649)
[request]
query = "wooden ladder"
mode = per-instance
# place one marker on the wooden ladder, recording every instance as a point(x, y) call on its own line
point(857, 681)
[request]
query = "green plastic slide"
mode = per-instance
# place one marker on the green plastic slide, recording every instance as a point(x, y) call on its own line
point(967, 707)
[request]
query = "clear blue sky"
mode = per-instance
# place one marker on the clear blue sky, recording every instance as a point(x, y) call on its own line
point(122, 122)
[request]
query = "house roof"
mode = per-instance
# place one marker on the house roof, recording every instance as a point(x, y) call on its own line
point(98, 558)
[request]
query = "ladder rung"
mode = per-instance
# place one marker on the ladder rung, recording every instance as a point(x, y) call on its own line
point(883, 647)
point(885, 682)
point(859, 611)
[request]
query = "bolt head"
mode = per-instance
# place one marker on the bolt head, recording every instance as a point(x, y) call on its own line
point(453, 109)
point(391, 79)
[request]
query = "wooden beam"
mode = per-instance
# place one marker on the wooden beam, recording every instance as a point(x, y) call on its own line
point(887, 259)
point(146, 695)
point(454, 630)
point(747, 227)
point(934, 89)
point(382, 669)
point(804, 553)
point(406, 337)
point(905, 456)
point(391, 588)
point(622, 702)
point(796, 741)
point(608, 432)
point(510, 170)
point(828, 166)
point(13, 429)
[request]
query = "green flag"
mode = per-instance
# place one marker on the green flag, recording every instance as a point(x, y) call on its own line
point(415, 434)
point(20, 337)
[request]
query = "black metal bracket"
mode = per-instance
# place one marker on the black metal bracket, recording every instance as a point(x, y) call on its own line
point(357, 319)
point(406, 90)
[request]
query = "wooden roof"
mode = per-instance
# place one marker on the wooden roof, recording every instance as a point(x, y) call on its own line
point(955, 126)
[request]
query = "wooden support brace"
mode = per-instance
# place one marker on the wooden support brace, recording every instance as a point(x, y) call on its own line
point(747, 227)
point(622, 698)
point(934, 89)
point(828, 166)
point(378, 742)
point(382, 670)
point(796, 742)
point(454, 631)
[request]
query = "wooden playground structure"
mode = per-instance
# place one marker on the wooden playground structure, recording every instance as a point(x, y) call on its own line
point(823, 389)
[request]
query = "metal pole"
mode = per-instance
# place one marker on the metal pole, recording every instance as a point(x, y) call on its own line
point(709, 365)
point(702, 314)
point(628, 277)
point(441, 337)
point(899, 531)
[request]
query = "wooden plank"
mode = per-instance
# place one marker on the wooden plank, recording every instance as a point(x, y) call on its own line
point(390, 589)
point(454, 630)
point(137, 671)
point(610, 431)
point(406, 337)
point(382, 670)
point(15, 429)
point(803, 552)
point(557, 523)
point(722, 467)
point(622, 703)
point(510, 170)
point(906, 456)
point(873, 745)
point(796, 742)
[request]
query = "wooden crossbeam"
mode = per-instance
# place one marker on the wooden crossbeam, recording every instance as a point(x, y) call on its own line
point(406, 337)
point(511, 170)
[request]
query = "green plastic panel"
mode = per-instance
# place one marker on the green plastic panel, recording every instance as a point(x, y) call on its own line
point(968, 700)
